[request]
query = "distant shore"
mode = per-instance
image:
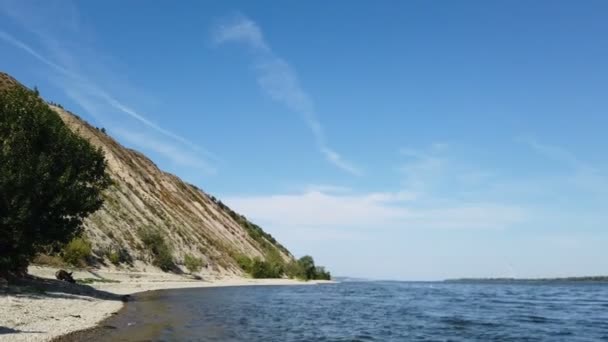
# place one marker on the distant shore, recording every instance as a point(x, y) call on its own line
point(45, 308)
point(588, 279)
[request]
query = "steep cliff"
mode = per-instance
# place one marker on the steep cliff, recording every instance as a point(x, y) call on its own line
point(144, 200)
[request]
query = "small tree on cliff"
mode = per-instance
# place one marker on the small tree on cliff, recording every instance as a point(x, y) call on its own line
point(50, 179)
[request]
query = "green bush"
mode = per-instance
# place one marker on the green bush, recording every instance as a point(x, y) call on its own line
point(114, 257)
point(244, 262)
point(160, 250)
point(276, 264)
point(294, 271)
point(307, 265)
point(258, 268)
point(76, 252)
point(305, 269)
point(192, 263)
point(124, 257)
point(50, 179)
point(321, 273)
point(164, 259)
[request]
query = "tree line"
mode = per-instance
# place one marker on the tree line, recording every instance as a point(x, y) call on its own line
point(275, 267)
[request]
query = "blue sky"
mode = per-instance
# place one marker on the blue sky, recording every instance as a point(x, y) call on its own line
point(402, 140)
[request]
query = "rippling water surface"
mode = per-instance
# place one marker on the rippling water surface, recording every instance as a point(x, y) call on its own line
point(368, 311)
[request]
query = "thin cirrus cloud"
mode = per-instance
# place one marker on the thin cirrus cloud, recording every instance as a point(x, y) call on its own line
point(375, 211)
point(420, 203)
point(174, 153)
point(21, 45)
point(278, 79)
point(581, 174)
point(96, 100)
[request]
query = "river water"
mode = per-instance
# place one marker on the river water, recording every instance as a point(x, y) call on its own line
point(367, 311)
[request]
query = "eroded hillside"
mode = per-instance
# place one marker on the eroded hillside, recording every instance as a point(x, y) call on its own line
point(144, 199)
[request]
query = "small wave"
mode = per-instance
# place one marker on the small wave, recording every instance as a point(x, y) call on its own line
point(457, 321)
point(364, 337)
point(535, 319)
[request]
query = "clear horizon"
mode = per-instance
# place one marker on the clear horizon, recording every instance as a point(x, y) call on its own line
point(395, 140)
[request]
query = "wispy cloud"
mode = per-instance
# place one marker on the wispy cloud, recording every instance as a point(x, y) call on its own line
point(371, 212)
point(21, 45)
point(93, 98)
point(553, 152)
point(582, 174)
point(242, 30)
point(277, 78)
point(167, 149)
point(424, 168)
point(328, 188)
point(139, 117)
point(421, 201)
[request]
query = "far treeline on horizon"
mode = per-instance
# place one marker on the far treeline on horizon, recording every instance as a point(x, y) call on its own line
point(402, 140)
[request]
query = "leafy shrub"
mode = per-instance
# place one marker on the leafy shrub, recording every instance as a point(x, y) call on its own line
point(119, 255)
point(114, 257)
point(305, 269)
point(76, 252)
point(294, 271)
point(160, 250)
point(164, 259)
point(192, 263)
point(276, 264)
point(321, 273)
point(259, 268)
point(307, 264)
point(244, 262)
point(50, 179)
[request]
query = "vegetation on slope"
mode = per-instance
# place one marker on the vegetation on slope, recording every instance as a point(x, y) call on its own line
point(192, 263)
point(159, 250)
point(147, 215)
point(50, 179)
point(274, 266)
point(267, 241)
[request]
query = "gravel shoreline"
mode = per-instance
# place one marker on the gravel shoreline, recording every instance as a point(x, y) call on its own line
point(45, 309)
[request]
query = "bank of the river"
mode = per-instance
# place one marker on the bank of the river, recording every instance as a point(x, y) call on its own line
point(43, 308)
